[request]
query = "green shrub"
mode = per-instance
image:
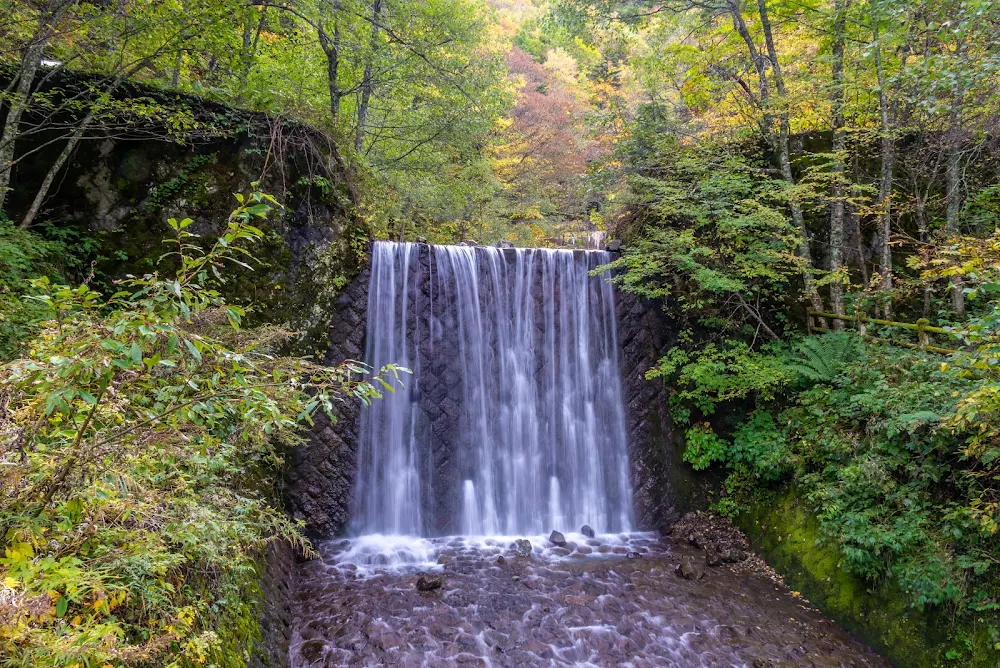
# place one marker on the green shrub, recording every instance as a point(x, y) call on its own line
point(139, 434)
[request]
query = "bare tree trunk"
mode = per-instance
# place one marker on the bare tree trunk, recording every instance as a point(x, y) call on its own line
point(953, 179)
point(924, 235)
point(368, 81)
point(953, 182)
point(839, 146)
point(885, 184)
point(30, 62)
point(50, 176)
point(74, 140)
point(331, 47)
point(785, 161)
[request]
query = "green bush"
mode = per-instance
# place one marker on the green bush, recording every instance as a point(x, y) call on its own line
point(138, 436)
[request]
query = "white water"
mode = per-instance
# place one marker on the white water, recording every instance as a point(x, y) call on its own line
point(524, 345)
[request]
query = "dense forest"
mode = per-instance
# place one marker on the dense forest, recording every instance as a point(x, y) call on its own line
point(810, 191)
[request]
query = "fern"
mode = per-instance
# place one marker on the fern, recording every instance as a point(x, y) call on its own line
point(821, 358)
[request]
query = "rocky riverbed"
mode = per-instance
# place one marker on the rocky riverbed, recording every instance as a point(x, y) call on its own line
point(636, 599)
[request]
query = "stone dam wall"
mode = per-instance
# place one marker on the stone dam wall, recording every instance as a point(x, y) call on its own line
point(321, 476)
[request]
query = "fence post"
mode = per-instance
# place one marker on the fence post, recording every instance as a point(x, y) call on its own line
point(922, 336)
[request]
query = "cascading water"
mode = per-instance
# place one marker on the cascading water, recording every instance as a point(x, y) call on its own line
point(513, 423)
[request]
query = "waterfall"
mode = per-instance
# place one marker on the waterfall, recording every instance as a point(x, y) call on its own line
point(513, 422)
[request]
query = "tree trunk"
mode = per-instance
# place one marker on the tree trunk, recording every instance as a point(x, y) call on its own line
point(785, 162)
point(368, 81)
point(953, 181)
point(839, 146)
point(331, 47)
point(30, 62)
point(923, 234)
point(885, 183)
point(71, 144)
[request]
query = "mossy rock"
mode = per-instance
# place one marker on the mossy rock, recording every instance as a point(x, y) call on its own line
point(787, 534)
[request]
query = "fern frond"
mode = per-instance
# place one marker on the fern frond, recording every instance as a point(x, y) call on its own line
point(821, 358)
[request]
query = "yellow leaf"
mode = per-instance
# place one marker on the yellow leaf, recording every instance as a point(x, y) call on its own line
point(76, 621)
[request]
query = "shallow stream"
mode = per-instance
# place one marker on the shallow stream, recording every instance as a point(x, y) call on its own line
point(612, 600)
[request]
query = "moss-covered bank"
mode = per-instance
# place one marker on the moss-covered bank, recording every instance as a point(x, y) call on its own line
point(786, 533)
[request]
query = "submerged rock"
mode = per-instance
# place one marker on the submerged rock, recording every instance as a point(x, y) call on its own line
point(689, 569)
point(429, 582)
point(557, 539)
point(587, 531)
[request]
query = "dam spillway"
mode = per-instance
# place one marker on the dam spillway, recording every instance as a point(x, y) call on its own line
point(513, 422)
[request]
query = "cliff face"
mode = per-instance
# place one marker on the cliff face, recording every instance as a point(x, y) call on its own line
point(187, 160)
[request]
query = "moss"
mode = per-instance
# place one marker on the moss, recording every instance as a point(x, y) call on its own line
point(787, 534)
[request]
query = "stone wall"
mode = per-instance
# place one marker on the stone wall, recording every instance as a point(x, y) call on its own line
point(321, 475)
point(277, 584)
point(321, 479)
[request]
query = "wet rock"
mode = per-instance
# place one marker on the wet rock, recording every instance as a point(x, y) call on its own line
point(557, 539)
point(429, 582)
point(734, 555)
point(587, 531)
point(501, 561)
point(632, 554)
point(444, 559)
point(312, 651)
point(506, 244)
point(698, 540)
point(614, 246)
point(689, 569)
point(523, 547)
point(713, 557)
point(421, 240)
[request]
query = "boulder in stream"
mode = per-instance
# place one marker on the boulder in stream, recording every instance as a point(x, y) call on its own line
point(713, 556)
point(689, 569)
point(523, 548)
point(587, 531)
point(429, 582)
point(557, 539)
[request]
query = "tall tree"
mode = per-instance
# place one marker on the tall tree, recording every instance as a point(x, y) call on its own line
point(888, 159)
point(839, 148)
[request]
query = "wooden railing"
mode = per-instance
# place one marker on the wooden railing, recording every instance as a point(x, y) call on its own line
point(922, 327)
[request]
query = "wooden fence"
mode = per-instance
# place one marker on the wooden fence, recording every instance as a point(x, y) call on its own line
point(922, 327)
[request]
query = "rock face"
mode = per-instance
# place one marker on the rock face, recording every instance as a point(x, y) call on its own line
point(127, 188)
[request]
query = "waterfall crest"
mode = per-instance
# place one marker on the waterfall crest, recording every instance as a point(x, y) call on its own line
point(513, 423)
